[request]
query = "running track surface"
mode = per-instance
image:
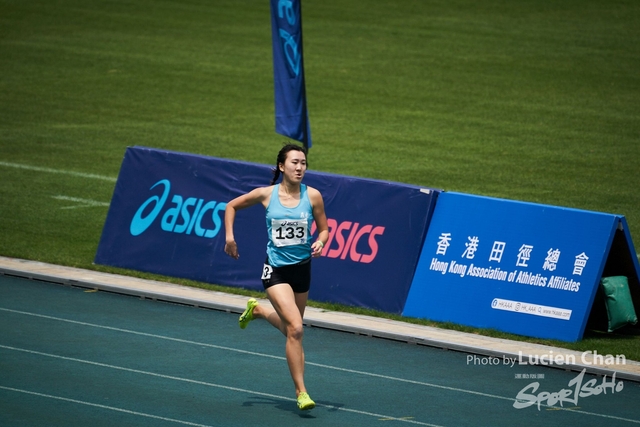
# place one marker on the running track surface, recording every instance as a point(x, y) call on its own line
point(73, 357)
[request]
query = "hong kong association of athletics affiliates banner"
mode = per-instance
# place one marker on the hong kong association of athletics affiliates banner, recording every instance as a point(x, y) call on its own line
point(518, 267)
point(167, 217)
point(292, 117)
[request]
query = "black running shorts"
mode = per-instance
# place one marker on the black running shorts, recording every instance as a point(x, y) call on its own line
point(298, 276)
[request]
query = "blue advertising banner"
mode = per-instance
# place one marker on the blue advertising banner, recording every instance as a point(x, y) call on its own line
point(292, 118)
point(166, 217)
point(518, 267)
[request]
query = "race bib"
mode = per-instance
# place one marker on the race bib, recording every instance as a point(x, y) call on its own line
point(266, 272)
point(286, 232)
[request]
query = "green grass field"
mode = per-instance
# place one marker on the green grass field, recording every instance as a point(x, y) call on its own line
point(527, 100)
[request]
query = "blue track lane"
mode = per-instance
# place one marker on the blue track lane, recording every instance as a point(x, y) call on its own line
point(69, 357)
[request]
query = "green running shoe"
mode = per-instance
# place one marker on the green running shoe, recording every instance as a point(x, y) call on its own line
point(247, 315)
point(304, 402)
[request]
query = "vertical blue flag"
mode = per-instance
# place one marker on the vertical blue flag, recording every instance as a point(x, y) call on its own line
point(292, 118)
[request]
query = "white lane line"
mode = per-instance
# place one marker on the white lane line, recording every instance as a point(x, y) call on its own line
point(335, 368)
point(80, 203)
point(438, 386)
point(96, 405)
point(111, 328)
point(59, 171)
point(203, 383)
point(183, 341)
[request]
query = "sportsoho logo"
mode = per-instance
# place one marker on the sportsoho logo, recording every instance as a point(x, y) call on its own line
point(184, 216)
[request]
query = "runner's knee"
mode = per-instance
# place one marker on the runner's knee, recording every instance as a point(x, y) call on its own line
point(295, 331)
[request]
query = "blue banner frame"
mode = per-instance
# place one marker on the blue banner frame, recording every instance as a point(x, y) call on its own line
point(166, 217)
point(523, 268)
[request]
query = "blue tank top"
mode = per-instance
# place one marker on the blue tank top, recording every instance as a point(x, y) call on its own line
point(289, 229)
